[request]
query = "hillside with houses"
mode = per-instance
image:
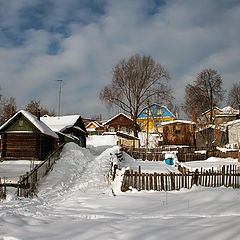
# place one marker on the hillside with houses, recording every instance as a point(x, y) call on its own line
point(119, 120)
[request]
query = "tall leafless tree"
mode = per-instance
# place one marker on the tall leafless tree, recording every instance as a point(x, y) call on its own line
point(204, 94)
point(135, 82)
point(8, 108)
point(234, 96)
point(34, 106)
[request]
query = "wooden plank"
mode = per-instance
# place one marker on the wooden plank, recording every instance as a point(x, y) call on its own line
point(166, 182)
point(172, 175)
point(143, 181)
point(139, 178)
point(223, 175)
point(162, 182)
point(155, 181)
point(147, 186)
point(123, 188)
point(151, 181)
point(135, 180)
point(227, 175)
point(131, 178)
point(230, 176)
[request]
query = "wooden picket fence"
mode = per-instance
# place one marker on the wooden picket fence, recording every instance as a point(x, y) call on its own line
point(228, 176)
point(27, 183)
point(184, 154)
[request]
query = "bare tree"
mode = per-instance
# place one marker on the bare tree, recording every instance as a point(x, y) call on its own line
point(135, 82)
point(34, 106)
point(8, 108)
point(204, 94)
point(234, 95)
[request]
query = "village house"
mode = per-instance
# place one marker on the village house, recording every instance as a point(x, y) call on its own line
point(152, 118)
point(211, 135)
point(233, 130)
point(228, 114)
point(179, 132)
point(24, 136)
point(211, 113)
point(94, 128)
point(69, 128)
point(220, 116)
point(120, 122)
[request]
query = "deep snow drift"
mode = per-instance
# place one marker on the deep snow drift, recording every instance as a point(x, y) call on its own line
point(75, 202)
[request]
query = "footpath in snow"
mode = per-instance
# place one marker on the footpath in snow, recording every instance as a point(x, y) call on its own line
point(75, 202)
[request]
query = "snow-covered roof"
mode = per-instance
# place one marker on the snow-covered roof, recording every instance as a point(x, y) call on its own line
point(230, 110)
point(166, 113)
point(217, 108)
point(178, 121)
point(96, 124)
point(233, 122)
point(221, 127)
point(58, 124)
point(33, 119)
point(116, 117)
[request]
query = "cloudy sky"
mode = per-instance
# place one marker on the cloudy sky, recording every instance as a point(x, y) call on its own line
point(80, 41)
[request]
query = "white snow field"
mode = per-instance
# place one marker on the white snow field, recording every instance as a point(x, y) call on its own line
point(75, 202)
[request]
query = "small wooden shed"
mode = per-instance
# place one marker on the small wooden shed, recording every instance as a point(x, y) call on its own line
point(178, 132)
point(211, 135)
point(69, 128)
point(24, 136)
point(120, 122)
point(233, 131)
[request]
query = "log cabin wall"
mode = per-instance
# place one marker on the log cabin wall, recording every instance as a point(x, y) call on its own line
point(46, 146)
point(178, 134)
point(119, 123)
point(19, 146)
point(21, 139)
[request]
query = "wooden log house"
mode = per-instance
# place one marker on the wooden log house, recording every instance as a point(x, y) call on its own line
point(179, 132)
point(69, 128)
point(24, 136)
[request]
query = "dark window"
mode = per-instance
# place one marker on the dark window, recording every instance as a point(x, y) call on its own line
point(177, 132)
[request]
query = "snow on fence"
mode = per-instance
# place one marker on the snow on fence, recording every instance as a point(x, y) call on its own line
point(228, 176)
point(184, 154)
point(27, 183)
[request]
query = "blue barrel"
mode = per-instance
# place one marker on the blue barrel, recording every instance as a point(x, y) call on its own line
point(169, 161)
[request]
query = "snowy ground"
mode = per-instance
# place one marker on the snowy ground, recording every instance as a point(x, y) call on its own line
point(212, 162)
point(11, 170)
point(74, 202)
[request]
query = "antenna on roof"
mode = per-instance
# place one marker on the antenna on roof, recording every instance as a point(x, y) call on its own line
point(59, 97)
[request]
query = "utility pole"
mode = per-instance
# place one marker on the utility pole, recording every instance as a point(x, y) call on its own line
point(147, 124)
point(59, 97)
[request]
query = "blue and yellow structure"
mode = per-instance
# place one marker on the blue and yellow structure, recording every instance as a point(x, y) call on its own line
point(153, 116)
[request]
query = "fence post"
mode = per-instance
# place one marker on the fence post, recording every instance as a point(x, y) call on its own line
point(139, 178)
point(135, 180)
point(223, 175)
point(162, 182)
point(123, 188)
point(147, 187)
point(143, 181)
point(172, 177)
point(155, 181)
point(196, 175)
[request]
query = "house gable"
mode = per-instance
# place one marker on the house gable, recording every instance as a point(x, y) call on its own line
point(21, 123)
point(156, 111)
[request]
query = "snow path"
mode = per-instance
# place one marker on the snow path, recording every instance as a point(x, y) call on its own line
point(74, 202)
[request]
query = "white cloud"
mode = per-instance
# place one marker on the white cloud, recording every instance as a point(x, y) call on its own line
point(185, 36)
